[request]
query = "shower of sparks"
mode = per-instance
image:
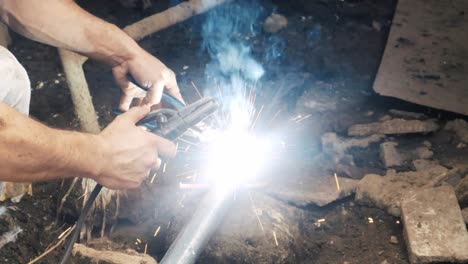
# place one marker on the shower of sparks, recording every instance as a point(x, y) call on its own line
point(157, 231)
point(236, 146)
point(337, 182)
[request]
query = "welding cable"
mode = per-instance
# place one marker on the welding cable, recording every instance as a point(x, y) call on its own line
point(79, 223)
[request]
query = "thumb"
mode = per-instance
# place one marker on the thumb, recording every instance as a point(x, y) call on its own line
point(136, 113)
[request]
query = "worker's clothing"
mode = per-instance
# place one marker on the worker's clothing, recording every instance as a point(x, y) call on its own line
point(15, 91)
point(15, 88)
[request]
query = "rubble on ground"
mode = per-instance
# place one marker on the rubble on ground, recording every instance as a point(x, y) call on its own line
point(433, 226)
point(423, 164)
point(391, 155)
point(319, 191)
point(394, 126)
point(386, 192)
point(332, 143)
point(460, 127)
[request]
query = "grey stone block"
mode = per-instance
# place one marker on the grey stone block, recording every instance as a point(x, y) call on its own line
point(434, 226)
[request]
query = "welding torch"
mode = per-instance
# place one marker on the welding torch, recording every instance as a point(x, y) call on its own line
point(165, 122)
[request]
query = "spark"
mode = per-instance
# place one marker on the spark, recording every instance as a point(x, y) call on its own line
point(337, 182)
point(146, 248)
point(274, 116)
point(196, 89)
point(219, 92)
point(188, 142)
point(276, 240)
point(186, 173)
point(138, 240)
point(188, 147)
point(153, 177)
point(258, 115)
point(254, 99)
point(64, 232)
point(319, 222)
point(192, 186)
point(397, 222)
point(164, 167)
point(370, 220)
point(157, 231)
point(303, 118)
point(296, 118)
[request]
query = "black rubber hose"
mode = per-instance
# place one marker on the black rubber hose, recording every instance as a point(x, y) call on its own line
point(79, 223)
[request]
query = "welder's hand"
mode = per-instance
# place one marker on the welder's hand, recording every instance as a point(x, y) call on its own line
point(149, 72)
point(129, 152)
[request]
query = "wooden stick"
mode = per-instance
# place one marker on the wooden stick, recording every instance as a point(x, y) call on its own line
point(169, 17)
point(73, 67)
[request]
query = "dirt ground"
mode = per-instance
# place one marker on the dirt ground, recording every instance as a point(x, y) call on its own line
point(329, 52)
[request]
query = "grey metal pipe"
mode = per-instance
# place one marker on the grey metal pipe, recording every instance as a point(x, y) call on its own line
point(197, 232)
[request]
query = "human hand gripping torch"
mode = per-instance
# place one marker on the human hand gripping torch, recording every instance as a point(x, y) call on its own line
point(165, 122)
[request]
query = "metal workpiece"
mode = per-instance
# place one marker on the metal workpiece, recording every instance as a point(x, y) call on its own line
point(193, 238)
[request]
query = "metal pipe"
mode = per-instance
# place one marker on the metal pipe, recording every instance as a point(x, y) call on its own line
point(197, 232)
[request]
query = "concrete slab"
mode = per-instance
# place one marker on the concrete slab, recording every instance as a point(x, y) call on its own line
point(425, 60)
point(434, 227)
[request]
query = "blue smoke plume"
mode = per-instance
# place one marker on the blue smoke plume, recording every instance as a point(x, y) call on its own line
point(225, 33)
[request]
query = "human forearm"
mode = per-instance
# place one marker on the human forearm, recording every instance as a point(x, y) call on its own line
point(30, 151)
point(64, 24)
point(120, 157)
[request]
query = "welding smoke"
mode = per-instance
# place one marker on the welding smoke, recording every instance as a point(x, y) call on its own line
point(226, 31)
